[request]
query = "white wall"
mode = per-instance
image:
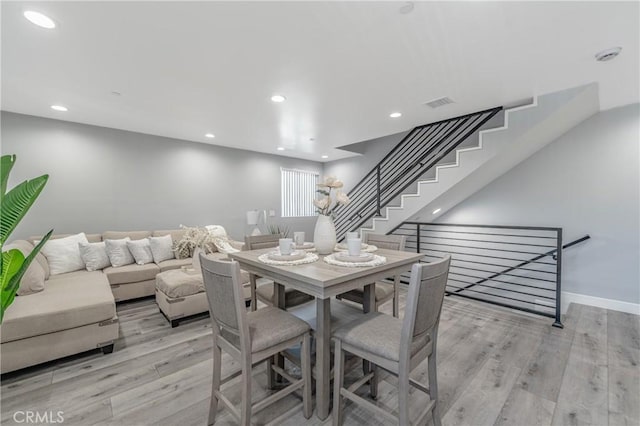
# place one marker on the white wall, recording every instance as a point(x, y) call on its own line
point(587, 182)
point(106, 179)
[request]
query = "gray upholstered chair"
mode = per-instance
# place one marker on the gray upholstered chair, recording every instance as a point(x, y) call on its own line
point(397, 346)
point(385, 291)
point(250, 338)
point(265, 291)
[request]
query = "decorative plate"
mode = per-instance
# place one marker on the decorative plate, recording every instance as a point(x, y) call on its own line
point(344, 256)
point(294, 255)
point(367, 248)
point(376, 261)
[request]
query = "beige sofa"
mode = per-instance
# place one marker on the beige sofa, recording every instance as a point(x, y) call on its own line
point(76, 311)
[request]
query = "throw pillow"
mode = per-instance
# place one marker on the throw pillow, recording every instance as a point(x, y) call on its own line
point(94, 255)
point(63, 254)
point(33, 279)
point(161, 248)
point(119, 254)
point(141, 251)
point(224, 246)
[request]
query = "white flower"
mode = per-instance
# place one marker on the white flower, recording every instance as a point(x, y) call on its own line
point(342, 198)
point(322, 203)
point(331, 182)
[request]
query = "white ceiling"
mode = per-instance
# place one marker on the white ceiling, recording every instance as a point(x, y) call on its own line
point(185, 69)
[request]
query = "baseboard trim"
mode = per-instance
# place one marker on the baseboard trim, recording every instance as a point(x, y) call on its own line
point(614, 305)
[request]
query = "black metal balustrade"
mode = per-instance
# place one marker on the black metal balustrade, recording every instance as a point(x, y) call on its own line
point(518, 267)
point(407, 162)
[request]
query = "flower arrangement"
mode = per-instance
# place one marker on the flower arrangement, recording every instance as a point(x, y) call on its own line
point(325, 205)
point(193, 238)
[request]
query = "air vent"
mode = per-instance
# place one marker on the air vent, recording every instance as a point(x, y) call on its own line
point(435, 103)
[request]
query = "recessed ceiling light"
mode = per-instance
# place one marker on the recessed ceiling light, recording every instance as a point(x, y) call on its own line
point(280, 148)
point(395, 114)
point(278, 98)
point(114, 93)
point(210, 135)
point(312, 139)
point(59, 108)
point(608, 54)
point(39, 19)
point(436, 211)
point(325, 156)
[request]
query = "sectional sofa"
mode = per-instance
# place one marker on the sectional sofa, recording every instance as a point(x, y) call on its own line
point(76, 311)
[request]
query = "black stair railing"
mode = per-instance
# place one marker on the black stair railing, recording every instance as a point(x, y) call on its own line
point(519, 267)
point(410, 159)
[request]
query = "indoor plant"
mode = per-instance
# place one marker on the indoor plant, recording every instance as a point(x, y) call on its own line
point(324, 236)
point(14, 205)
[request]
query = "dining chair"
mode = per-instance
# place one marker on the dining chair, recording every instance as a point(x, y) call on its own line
point(250, 338)
point(265, 292)
point(397, 346)
point(385, 291)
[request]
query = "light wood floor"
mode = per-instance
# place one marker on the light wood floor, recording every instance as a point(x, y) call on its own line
point(495, 367)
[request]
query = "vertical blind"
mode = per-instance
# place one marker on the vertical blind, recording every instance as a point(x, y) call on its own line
point(298, 192)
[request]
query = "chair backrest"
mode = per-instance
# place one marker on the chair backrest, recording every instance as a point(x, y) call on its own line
point(389, 242)
point(224, 293)
point(256, 242)
point(424, 301)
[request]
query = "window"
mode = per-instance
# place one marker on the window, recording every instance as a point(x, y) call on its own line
point(298, 192)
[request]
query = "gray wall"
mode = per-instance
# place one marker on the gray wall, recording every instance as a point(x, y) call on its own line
point(587, 182)
point(106, 179)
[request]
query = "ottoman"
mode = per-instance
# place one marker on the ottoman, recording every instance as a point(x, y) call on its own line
point(180, 294)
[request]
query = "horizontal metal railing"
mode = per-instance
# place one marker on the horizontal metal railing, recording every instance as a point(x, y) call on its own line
point(409, 160)
point(519, 267)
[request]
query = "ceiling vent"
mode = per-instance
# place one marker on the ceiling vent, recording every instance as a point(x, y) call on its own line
point(608, 54)
point(436, 103)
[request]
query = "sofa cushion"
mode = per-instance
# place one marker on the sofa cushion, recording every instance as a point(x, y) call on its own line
point(162, 248)
point(33, 279)
point(118, 235)
point(131, 273)
point(92, 238)
point(141, 251)
point(176, 234)
point(68, 301)
point(118, 252)
point(167, 265)
point(175, 283)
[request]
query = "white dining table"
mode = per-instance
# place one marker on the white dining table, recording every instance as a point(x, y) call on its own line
point(323, 281)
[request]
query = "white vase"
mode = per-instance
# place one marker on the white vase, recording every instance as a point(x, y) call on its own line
point(324, 235)
point(196, 258)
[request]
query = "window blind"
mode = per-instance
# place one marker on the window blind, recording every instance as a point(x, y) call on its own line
point(298, 192)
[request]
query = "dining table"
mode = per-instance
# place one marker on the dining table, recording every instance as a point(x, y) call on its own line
point(324, 281)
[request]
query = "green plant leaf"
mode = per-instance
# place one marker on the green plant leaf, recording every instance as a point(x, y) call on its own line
point(12, 261)
point(6, 164)
point(17, 202)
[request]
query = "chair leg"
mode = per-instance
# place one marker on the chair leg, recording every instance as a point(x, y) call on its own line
point(396, 296)
point(338, 367)
point(245, 405)
point(373, 383)
point(433, 389)
point(215, 385)
point(403, 398)
point(307, 407)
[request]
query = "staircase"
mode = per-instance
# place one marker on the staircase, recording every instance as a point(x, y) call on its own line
point(438, 165)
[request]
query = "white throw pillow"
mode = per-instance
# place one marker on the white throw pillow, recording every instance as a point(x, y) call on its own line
point(94, 255)
point(141, 251)
point(119, 254)
point(217, 231)
point(63, 254)
point(161, 248)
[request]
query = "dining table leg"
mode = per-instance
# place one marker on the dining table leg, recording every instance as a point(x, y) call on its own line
point(369, 305)
point(323, 356)
point(278, 302)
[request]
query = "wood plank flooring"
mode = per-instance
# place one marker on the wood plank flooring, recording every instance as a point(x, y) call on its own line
point(495, 367)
